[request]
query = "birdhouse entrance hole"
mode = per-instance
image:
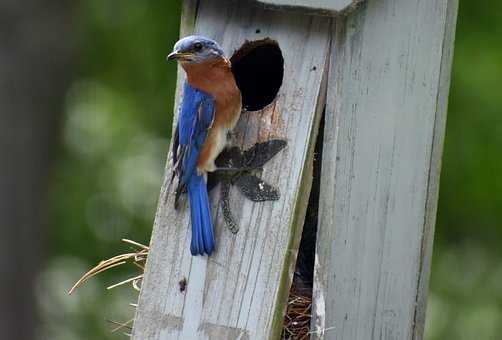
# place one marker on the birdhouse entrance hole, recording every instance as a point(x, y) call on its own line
point(258, 68)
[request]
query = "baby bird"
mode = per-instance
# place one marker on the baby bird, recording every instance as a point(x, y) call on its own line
point(210, 109)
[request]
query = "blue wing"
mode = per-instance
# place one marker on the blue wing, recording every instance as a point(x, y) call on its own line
point(195, 117)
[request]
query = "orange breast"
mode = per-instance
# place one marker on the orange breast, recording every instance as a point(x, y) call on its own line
point(216, 78)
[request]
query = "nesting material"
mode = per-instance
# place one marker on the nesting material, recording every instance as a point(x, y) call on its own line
point(296, 321)
point(138, 258)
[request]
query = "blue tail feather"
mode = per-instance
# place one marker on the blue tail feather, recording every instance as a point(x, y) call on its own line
point(202, 224)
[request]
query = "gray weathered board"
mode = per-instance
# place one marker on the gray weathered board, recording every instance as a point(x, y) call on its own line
point(315, 6)
point(385, 119)
point(240, 291)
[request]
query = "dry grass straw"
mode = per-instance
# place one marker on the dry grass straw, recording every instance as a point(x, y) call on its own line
point(138, 258)
point(296, 321)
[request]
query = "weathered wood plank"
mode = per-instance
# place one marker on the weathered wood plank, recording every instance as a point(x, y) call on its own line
point(315, 6)
point(234, 294)
point(386, 108)
point(435, 168)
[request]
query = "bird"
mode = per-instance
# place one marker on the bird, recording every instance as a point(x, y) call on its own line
point(209, 111)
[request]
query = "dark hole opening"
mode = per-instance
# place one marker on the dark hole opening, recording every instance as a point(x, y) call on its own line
point(258, 68)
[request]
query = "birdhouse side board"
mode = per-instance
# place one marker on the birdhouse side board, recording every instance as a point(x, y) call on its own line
point(384, 129)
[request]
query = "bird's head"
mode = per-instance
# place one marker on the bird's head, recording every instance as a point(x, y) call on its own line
point(196, 49)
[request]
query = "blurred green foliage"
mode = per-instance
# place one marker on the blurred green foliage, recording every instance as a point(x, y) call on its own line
point(106, 181)
point(466, 284)
point(117, 122)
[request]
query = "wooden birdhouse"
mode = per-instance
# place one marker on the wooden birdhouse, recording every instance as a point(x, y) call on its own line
point(368, 81)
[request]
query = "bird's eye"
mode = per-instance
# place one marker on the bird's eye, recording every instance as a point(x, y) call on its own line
point(197, 47)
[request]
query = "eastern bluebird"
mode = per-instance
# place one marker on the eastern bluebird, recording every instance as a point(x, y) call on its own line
point(210, 108)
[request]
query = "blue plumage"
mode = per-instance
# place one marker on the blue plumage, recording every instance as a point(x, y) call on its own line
point(209, 81)
point(196, 116)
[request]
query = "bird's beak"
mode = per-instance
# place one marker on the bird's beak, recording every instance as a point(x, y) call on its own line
point(175, 55)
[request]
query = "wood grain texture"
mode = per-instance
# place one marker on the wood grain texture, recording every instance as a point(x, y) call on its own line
point(234, 293)
point(435, 169)
point(315, 6)
point(386, 108)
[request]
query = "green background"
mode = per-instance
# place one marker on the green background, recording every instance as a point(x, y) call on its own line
point(116, 128)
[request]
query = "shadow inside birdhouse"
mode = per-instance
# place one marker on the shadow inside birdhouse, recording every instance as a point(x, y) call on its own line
point(258, 68)
point(296, 323)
